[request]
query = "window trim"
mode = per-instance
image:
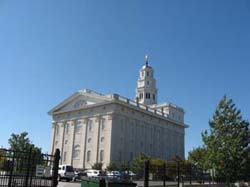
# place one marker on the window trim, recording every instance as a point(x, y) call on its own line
point(66, 128)
point(78, 127)
point(88, 156)
point(101, 155)
point(76, 149)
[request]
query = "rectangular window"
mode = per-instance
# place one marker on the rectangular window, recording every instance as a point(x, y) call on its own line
point(57, 129)
point(64, 156)
point(78, 126)
point(101, 155)
point(67, 128)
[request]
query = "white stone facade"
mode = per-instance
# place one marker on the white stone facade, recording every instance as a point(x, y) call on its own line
point(89, 127)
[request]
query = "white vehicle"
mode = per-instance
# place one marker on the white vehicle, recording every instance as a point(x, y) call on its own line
point(113, 174)
point(130, 173)
point(65, 172)
point(93, 173)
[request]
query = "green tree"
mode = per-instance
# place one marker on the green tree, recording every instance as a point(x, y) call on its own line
point(198, 157)
point(2, 158)
point(113, 166)
point(137, 163)
point(21, 146)
point(124, 166)
point(227, 143)
point(97, 166)
point(156, 167)
point(21, 143)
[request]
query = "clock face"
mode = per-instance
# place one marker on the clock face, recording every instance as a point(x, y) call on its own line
point(80, 103)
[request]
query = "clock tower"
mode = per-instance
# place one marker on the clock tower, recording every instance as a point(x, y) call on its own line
point(146, 91)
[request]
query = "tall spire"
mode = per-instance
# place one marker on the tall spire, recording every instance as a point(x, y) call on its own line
point(146, 91)
point(146, 60)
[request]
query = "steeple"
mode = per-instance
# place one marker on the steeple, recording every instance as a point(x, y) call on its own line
point(146, 60)
point(146, 91)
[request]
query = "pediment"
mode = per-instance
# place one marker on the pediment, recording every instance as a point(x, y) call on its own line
point(77, 101)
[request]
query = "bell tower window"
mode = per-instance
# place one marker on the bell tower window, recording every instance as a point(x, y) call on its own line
point(141, 96)
point(147, 95)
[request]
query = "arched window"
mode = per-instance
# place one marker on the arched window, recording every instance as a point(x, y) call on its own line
point(64, 156)
point(147, 95)
point(103, 124)
point(89, 140)
point(76, 152)
point(90, 125)
point(57, 129)
point(88, 156)
point(78, 126)
point(141, 95)
point(67, 128)
point(101, 155)
point(142, 74)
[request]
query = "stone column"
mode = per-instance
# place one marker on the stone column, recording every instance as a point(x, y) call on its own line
point(85, 121)
point(62, 145)
point(52, 141)
point(73, 124)
point(98, 120)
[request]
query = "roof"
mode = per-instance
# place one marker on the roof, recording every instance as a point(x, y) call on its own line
point(93, 99)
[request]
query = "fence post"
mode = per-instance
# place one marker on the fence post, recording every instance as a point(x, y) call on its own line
point(178, 172)
point(102, 183)
point(164, 174)
point(190, 173)
point(11, 169)
point(146, 173)
point(55, 168)
point(28, 168)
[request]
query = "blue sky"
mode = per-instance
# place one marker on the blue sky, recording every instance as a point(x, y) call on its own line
point(50, 49)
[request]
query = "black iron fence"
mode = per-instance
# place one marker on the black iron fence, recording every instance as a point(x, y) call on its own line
point(26, 169)
point(170, 173)
point(175, 173)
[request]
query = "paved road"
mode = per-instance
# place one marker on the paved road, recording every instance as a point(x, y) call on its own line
point(139, 183)
point(69, 184)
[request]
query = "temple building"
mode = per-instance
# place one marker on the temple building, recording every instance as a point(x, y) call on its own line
point(90, 127)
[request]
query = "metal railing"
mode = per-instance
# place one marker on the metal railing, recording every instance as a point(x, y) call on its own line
point(26, 169)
